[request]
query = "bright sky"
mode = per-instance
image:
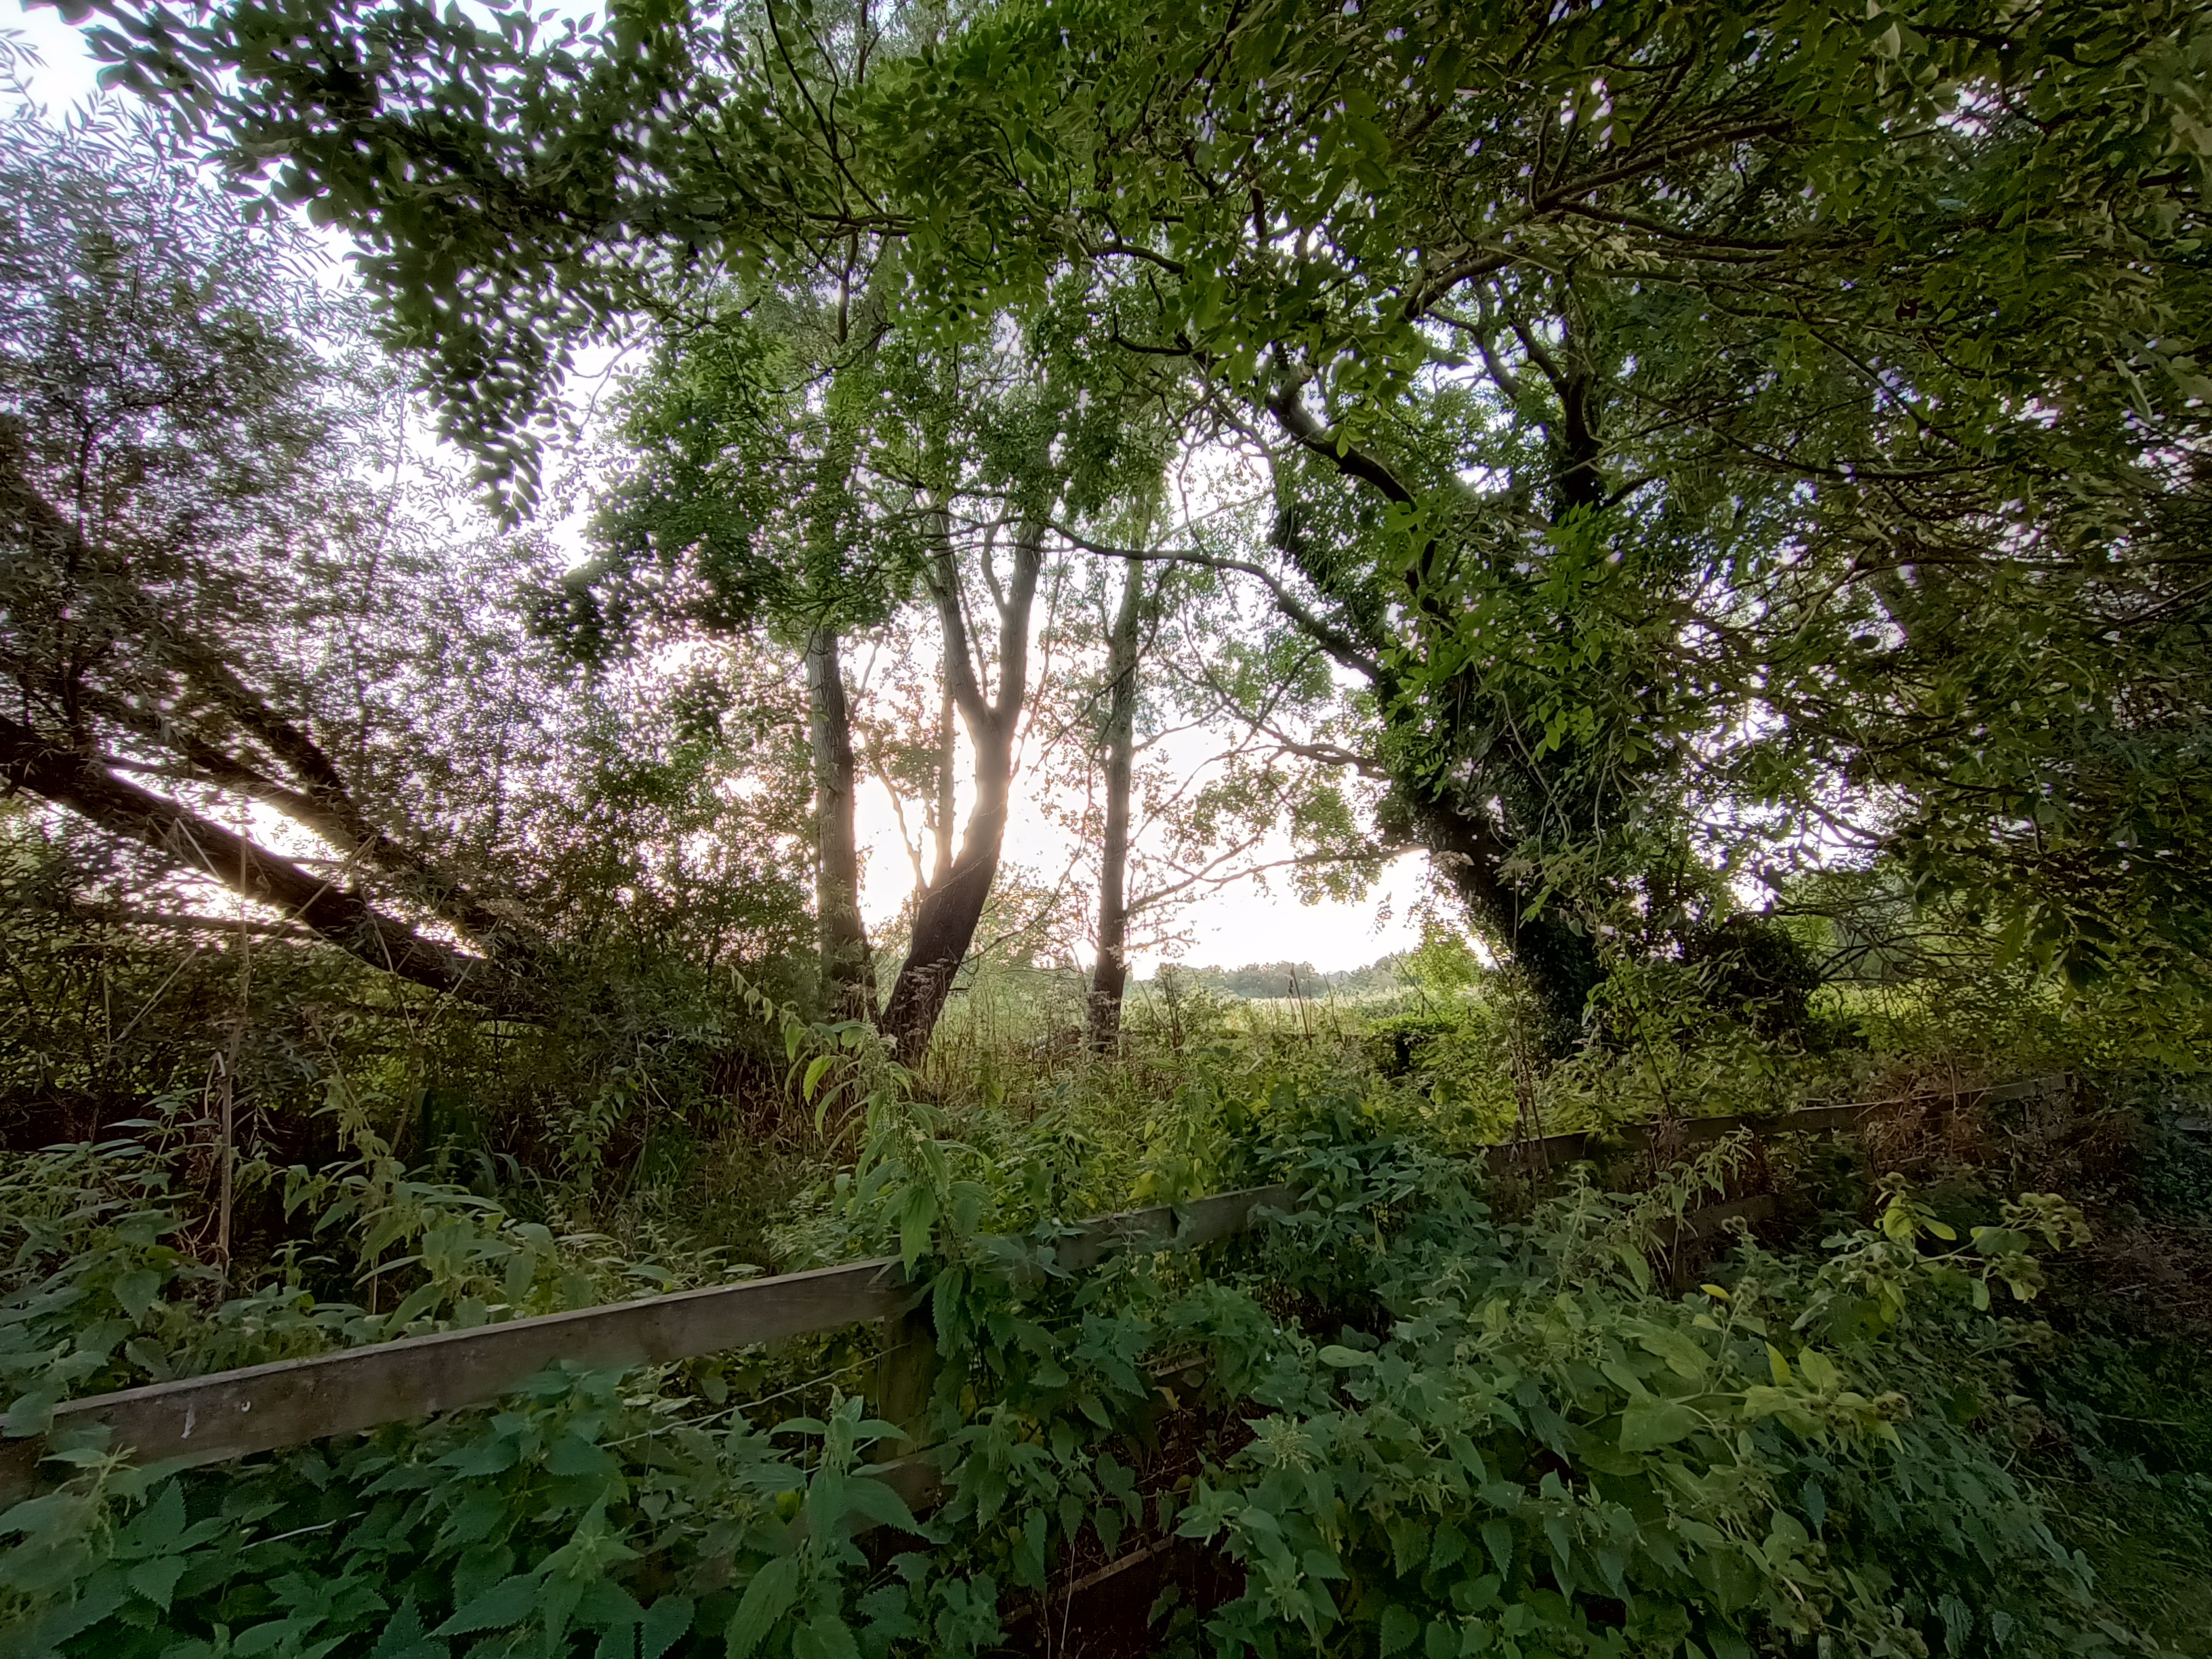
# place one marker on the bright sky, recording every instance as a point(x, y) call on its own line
point(1229, 928)
point(68, 68)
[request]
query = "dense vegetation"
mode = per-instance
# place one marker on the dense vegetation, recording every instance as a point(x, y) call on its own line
point(1725, 485)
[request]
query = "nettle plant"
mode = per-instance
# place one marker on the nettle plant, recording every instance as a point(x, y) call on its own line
point(105, 1284)
point(1419, 1429)
point(1531, 1449)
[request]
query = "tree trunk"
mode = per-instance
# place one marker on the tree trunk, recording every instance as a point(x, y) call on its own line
point(948, 756)
point(88, 789)
point(848, 971)
point(316, 796)
point(1110, 978)
point(945, 920)
point(1558, 961)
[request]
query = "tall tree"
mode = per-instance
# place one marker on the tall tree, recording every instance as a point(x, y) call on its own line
point(1829, 302)
point(1117, 744)
point(739, 507)
point(844, 935)
point(946, 918)
point(190, 444)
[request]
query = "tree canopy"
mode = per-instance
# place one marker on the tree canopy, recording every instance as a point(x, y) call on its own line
point(1713, 432)
point(1725, 480)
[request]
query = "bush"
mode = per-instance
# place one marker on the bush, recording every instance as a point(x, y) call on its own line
point(1414, 1426)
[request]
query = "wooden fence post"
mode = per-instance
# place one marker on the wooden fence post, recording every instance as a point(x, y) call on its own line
point(906, 1375)
point(906, 1372)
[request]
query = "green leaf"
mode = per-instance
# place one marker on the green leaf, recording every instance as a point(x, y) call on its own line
point(572, 1454)
point(404, 1637)
point(825, 1637)
point(1650, 1421)
point(666, 1620)
point(815, 1068)
point(1683, 1357)
point(1322, 1564)
point(1345, 1359)
point(157, 1529)
point(605, 1603)
point(919, 1215)
point(156, 1580)
point(1409, 1542)
point(1401, 1625)
point(767, 1599)
point(1448, 1546)
point(1632, 1258)
point(506, 1603)
point(879, 1503)
point(31, 1413)
point(134, 1293)
point(1820, 1372)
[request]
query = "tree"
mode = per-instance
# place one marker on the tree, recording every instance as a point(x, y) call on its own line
point(1008, 438)
point(801, 462)
point(740, 508)
point(1109, 975)
point(1625, 365)
point(1219, 754)
point(188, 451)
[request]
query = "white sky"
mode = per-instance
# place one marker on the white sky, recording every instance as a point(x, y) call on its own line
point(1228, 928)
point(68, 68)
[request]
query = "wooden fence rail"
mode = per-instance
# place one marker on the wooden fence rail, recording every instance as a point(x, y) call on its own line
point(1555, 1151)
point(228, 1414)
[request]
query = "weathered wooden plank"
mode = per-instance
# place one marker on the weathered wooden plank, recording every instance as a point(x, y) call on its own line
point(1712, 1220)
point(1825, 1120)
point(2026, 1088)
point(205, 1419)
point(1552, 1151)
point(1178, 1226)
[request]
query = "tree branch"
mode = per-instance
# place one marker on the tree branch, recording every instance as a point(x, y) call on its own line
point(1340, 644)
point(86, 787)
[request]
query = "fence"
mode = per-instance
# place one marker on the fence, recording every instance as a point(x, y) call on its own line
point(228, 1414)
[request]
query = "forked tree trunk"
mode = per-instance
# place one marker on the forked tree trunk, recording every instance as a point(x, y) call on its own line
point(945, 920)
point(848, 971)
point(1110, 979)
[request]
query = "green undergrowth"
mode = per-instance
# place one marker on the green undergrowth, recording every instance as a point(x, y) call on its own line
point(2127, 1457)
point(1420, 1426)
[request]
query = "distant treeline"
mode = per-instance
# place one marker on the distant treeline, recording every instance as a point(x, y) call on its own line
point(1285, 979)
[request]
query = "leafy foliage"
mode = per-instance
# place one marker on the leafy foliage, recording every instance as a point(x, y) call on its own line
point(1467, 1433)
point(1691, 446)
